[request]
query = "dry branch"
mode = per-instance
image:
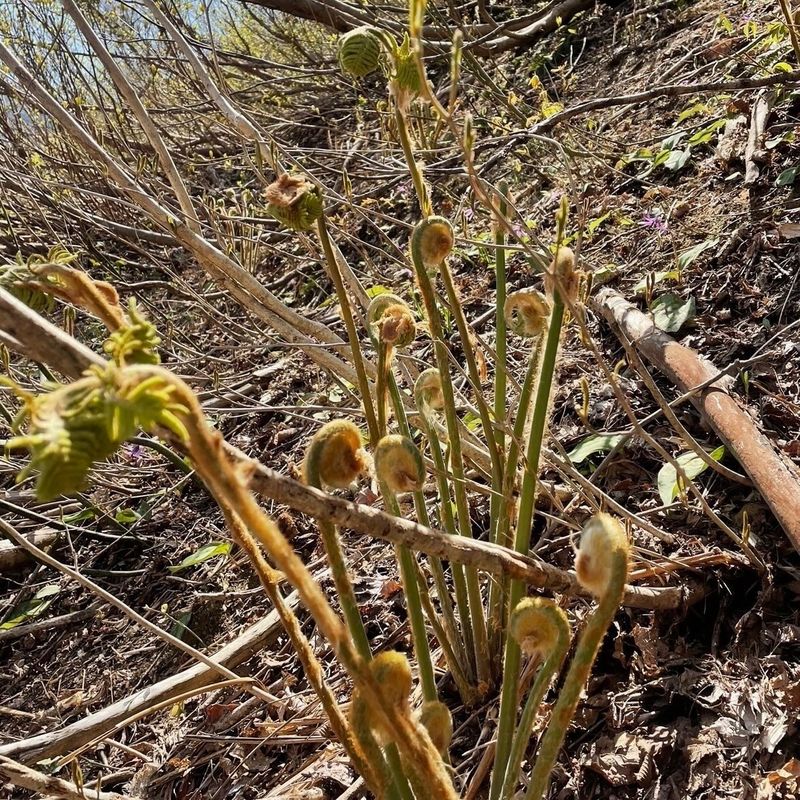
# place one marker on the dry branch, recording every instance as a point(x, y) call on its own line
point(13, 557)
point(776, 479)
point(54, 743)
point(486, 39)
point(486, 556)
point(48, 785)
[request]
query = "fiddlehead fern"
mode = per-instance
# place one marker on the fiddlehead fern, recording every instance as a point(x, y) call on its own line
point(360, 51)
point(294, 201)
point(335, 456)
point(391, 325)
point(541, 630)
point(602, 569)
point(398, 464)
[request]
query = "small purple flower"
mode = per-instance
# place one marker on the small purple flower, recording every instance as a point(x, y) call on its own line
point(654, 222)
point(520, 231)
point(134, 453)
point(469, 214)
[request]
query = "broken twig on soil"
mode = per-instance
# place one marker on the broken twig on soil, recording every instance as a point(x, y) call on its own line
point(776, 480)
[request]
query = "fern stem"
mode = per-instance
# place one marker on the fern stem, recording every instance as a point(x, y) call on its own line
point(481, 642)
point(352, 333)
point(508, 699)
point(578, 674)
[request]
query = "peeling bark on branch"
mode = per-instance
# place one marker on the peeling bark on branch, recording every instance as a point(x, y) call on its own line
point(775, 478)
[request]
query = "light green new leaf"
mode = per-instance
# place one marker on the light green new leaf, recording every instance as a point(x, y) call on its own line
point(671, 312)
point(206, 552)
point(691, 464)
point(596, 443)
point(691, 255)
point(127, 516)
point(665, 275)
point(32, 608)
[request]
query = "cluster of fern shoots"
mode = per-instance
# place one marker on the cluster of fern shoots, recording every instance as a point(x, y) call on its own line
point(415, 437)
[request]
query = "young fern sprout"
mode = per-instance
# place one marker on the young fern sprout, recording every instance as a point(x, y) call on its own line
point(360, 51)
point(436, 718)
point(542, 631)
point(433, 240)
point(399, 464)
point(75, 425)
point(399, 468)
point(568, 277)
point(294, 201)
point(602, 569)
point(393, 673)
point(391, 325)
point(527, 313)
point(428, 393)
point(405, 83)
point(336, 458)
point(431, 243)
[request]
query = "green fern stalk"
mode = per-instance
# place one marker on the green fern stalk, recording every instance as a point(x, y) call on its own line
point(602, 568)
point(429, 247)
point(511, 661)
point(547, 626)
point(352, 334)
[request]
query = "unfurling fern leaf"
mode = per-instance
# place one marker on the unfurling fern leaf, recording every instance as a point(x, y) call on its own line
point(73, 426)
point(135, 342)
point(359, 51)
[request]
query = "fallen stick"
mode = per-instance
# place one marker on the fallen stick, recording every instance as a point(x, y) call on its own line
point(486, 556)
point(755, 153)
point(32, 628)
point(775, 478)
point(48, 785)
point(71, 737)
point(13, 557)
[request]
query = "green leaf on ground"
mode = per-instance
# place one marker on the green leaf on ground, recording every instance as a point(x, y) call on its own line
point(691, 255)
point(127, 516)
point(30, 609)
point(788, 176)
point(206, 552)
point(671, 312)
point(596, 443)
point(664, 275)
point(692, 465)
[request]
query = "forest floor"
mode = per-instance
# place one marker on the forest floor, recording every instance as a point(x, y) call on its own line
point(696, 703)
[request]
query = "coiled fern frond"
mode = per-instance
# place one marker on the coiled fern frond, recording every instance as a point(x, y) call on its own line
point(294, 201)
point(136, 341)
point(406, 79)
point(22, 279)
point(359, 51)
